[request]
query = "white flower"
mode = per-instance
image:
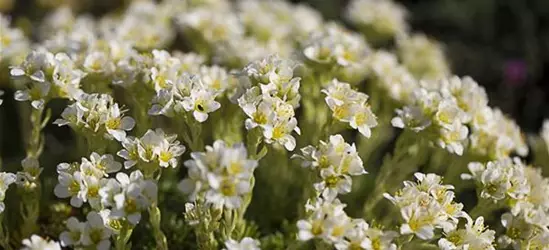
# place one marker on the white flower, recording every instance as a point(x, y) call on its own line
point(350, 106)
point(222, 174)
point(280, 132)
point(333, 184)
point(117, 125)
point(215, 78)
point(6, 179)
point(91, 192)
point(72, 237)
point(426, 206)
point(95, 233)
point(412, 118)
point(246, 243)
point(136, 194)
point(168, 152)
point(363, 120)
point(105, 163)
point(227, 191)
point(326, 220)
point(337, 161)
point(97, 114)
point(422, 56)
point(260, 115)
point(38, 243)
point(502, 179)
point(153, 146)
point(200, 102)
point(130, 152)
point(71, 185)
point(475, 236)
point(453, 138)
point(98, 62)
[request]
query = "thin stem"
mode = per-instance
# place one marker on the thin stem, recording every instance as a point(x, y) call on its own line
point(123, 237)
point(35, 142)
point(154, 218)
point(404, 161)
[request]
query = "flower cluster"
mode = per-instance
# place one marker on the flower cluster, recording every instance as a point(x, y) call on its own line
point(270, 104)
point(82, 181)
point(44, 76)
point(427, 205)
point(448, 107)
point(154, 149)
point(391, 77)
point(6, 179)
point(222, 175)
point(97, 114)
point(89, 234)
point(126, 196)
point(275, 77)
point(250, 31)
point(146, 25)
point(473, 236)
point(328, 221)
point(180, 88)
point(502, 180)
point(336, 162)
point(350, 106)
point(423, 57)
point(334, 48)
point(378, 19)
point(523, 190)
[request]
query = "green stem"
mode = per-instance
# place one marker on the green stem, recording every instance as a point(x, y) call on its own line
point(4, 235)
point(30, 210)
point(404, 161)
point(253, 141)
point(155, 217)
point(36, 142)
point(30, 205)
point(121, 240)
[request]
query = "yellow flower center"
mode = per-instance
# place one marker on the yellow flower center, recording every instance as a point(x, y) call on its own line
point(130, 206)
point(341, 112)
point(235, 167)
point(376, 244)
point(165, 156)
point(360, 119)
point(93, 191)
point(113, 123)
point(74, 187)
point(228, 188)
point(260, 118)
point(278, 132)
point(331, 181)
point(96, 236)
point(323, 162)
point(317, 228)
point(338, 231)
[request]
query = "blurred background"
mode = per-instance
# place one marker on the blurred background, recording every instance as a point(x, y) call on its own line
point(503, 44)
